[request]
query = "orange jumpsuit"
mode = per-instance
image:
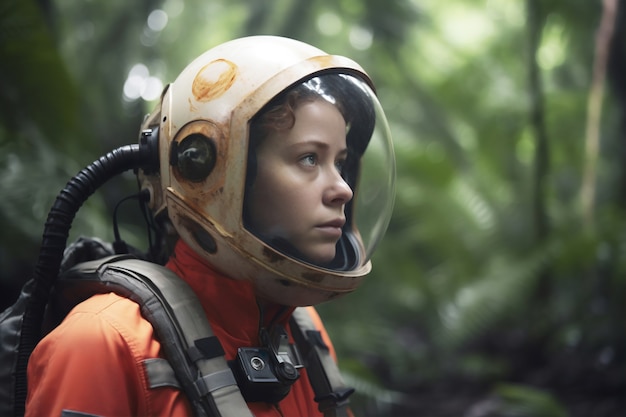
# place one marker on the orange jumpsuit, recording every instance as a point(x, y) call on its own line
point(93, 362)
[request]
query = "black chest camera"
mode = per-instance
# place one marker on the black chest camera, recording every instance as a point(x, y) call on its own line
point(267, 373)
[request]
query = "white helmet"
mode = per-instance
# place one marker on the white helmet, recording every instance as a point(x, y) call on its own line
point(203, 123)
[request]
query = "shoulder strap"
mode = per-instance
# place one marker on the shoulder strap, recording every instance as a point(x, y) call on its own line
point(178, 319)
point(330, 391)
point(13, 383)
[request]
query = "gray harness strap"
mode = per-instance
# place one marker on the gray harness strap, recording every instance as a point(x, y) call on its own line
point(160, 373)
point(331, 393)
point(169, 304)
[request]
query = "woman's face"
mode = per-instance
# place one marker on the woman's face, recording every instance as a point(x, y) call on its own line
point(298, 193)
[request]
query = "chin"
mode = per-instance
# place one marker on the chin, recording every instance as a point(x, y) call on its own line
point(322, 258)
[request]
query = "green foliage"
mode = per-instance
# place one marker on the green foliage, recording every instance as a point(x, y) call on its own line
point(35, 88)
point(521, 401)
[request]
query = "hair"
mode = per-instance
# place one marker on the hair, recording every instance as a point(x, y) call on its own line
point(279, 114)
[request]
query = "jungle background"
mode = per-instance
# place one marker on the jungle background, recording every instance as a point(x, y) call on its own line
point(499, 289)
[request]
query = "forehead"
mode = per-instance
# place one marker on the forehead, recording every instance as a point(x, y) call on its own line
point(316, 122)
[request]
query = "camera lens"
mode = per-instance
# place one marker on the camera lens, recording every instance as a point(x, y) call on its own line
point(287, 371)
point(257, 363)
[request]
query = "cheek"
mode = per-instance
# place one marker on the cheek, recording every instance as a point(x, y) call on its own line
point(281, 197)
point(267, 197)
point(265, 184)
point(276, 181)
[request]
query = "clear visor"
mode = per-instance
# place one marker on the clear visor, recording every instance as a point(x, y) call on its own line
point(320, 180)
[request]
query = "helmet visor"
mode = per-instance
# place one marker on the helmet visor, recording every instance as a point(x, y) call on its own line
point(320, 180)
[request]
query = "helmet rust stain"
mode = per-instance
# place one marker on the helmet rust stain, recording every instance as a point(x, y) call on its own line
point(324, 60)
point(271, 255)
point(192, 108)
point(213, 80)
point(313, 277)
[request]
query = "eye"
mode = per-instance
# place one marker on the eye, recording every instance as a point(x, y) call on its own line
point(340, 165)
point(309, 159)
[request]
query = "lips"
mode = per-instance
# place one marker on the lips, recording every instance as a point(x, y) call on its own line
point(337, 223)
point(332, 230)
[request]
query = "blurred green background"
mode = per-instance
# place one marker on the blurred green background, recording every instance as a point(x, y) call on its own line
point(500, 287)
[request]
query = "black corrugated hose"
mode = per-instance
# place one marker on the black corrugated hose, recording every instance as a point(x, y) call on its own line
point(55, 235)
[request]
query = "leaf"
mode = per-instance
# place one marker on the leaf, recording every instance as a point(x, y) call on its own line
point(35, 87)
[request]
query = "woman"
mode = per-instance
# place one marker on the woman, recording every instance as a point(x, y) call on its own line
point(262, 142)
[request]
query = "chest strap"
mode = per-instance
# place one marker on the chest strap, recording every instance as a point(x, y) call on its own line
point(331, 393)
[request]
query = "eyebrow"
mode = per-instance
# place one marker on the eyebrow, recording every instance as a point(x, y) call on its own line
point(318, 144)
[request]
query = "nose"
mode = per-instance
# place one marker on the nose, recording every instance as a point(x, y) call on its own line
point(338, 192)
